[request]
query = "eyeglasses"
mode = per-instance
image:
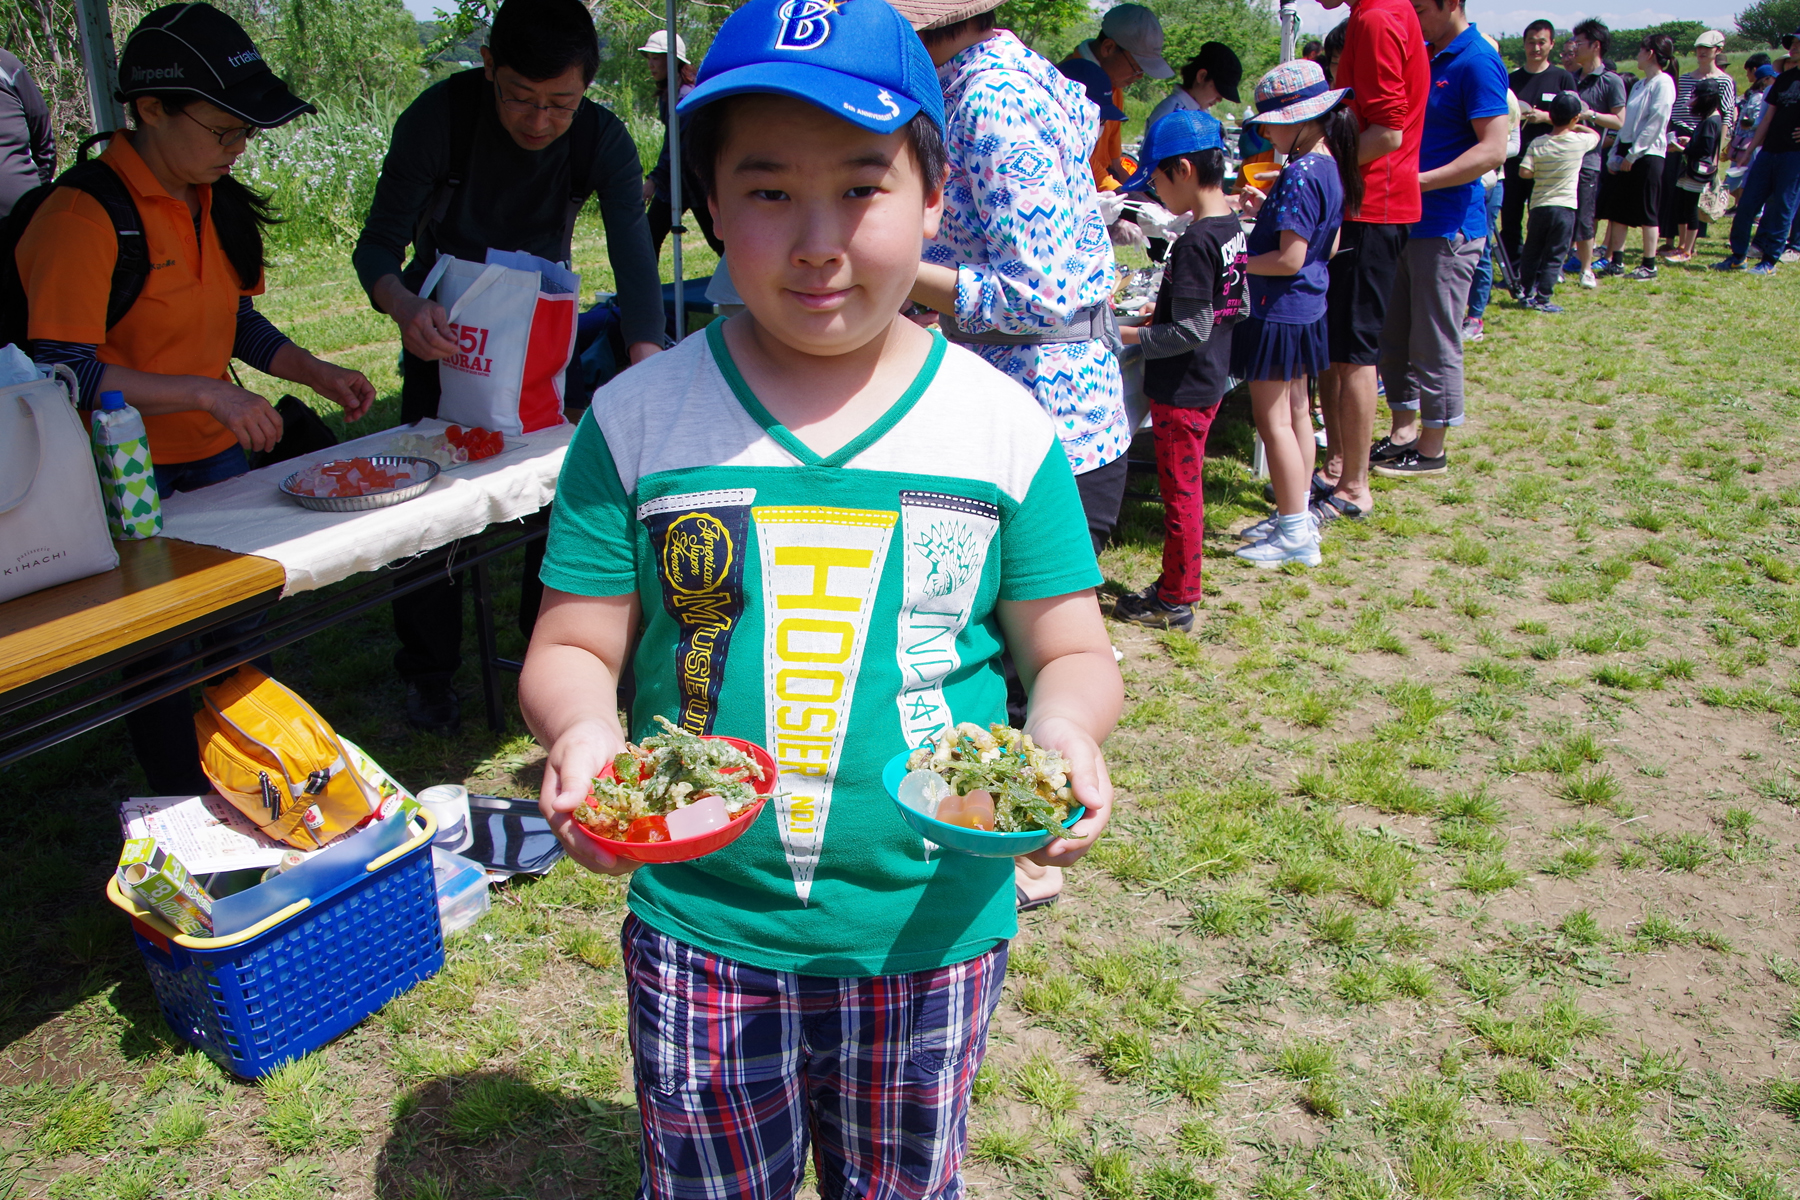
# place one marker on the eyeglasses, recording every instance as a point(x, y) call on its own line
point(231, 138)
point(524, 108)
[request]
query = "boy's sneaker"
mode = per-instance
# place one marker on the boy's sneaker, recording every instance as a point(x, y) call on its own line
point(1413, 464)
point(1273, 552)
point(1528, 300)
point(1677, 256)
point(1600, 261)
point(1729, 263)
point(1609, 268)
point(1588, 280)
point(1766, 267)
point(1644, 271)
point(1790, 256)
point(1544, 306)
point(1149, 609)
point(1572, 264)
point(1473, 330)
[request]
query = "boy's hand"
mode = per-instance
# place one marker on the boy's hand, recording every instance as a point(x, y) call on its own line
point(1093, 788)
point(1250, 199)
point(569, 771)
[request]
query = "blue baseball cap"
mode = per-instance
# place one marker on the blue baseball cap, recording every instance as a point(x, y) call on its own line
point(1184, 131)
point(856, 59)
point(1766, 71)
point(1093, 77)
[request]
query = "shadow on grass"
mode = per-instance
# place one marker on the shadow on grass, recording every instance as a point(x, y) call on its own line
point(492, 1133)
point(65, 950)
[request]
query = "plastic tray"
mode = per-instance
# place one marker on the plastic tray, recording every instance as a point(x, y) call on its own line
point(372, 500)
point(292, 982)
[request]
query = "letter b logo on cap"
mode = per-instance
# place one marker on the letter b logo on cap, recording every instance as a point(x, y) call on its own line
point(805, 24)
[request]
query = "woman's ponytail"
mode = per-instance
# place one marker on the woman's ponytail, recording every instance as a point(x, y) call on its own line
point(1341, 133)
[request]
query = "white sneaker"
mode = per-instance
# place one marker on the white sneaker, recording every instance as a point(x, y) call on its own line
point(1588, 280)
point(1790, 256)
point(1272, 551)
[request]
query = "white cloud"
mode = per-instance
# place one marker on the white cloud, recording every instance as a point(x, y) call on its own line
point(1315, 19)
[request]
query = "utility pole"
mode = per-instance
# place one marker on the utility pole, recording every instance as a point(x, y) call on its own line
point(100, 60)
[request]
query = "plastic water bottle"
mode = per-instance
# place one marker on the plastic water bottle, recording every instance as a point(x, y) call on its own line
point(127, 478)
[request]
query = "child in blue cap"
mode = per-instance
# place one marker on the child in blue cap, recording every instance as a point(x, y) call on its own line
point(815, 527)
point(1186, 347)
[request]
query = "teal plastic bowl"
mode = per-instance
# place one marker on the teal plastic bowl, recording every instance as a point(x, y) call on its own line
point(960, 838)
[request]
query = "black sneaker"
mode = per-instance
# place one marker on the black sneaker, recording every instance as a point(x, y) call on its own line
point(1613, 267)
point(1148, 608)
point(1412, 464)
point(1386, 450)
point(1645, 271)
point(434, 707)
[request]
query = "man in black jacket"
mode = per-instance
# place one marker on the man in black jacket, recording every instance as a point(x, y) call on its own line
point(502, 158)
point(27, 143)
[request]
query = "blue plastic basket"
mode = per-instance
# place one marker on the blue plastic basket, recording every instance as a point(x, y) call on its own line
point(291, 983)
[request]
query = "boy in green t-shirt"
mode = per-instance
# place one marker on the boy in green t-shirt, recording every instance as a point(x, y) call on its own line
point(816, 527)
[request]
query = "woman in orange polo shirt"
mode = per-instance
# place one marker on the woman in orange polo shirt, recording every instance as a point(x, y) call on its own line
point(198, 91)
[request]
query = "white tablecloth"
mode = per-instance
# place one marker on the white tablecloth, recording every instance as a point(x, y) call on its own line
point(250, 515)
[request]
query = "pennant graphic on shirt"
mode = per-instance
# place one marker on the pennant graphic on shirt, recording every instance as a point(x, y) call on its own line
point(944, 545)
point(820, 571)
point(700, 539)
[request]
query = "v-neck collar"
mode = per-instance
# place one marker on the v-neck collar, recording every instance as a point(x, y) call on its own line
point(721, 353)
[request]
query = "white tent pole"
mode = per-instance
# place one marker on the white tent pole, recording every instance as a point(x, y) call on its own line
point(1290, 25)
point(675, 165)
point(101, 62)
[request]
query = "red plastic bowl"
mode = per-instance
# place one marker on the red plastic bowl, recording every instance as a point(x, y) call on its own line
point(687, 849)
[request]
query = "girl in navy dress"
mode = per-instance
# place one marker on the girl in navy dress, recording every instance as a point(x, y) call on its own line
point(1282, 342)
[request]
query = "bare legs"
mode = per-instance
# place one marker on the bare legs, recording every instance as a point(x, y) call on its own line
point(1355, 393)
point(1283, 419)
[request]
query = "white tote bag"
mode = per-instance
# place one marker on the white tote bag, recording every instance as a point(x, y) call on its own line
point(52, 520)
point(515, 335)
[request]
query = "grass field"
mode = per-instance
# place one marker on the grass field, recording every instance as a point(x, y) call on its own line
point(1462, 866)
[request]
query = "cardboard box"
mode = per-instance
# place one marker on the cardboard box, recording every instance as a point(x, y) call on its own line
point(163, 885)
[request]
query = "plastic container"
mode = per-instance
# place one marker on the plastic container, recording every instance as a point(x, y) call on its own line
point(686, 849)
point(127, 476)
point(424, 471)
point(449, 803)
point(296, 979)
point(981, 843)
point(462, 890)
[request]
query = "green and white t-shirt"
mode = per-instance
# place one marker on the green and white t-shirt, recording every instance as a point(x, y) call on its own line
point(836, 610)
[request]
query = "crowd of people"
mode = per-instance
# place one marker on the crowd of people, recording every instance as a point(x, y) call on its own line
point(819, 525)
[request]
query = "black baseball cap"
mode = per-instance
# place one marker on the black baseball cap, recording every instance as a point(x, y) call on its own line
point(1565, 108)
point(1221, 65)
point(197, 49)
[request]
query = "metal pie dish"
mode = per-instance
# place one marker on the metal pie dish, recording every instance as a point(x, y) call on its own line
point(396, 495)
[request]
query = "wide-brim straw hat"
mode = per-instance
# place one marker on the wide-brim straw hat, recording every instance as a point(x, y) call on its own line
point(935, 14)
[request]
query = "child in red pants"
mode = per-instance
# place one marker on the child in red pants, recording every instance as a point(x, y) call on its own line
point(1187, 348)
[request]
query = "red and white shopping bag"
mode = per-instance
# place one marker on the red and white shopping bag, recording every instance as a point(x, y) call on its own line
point(515, 333)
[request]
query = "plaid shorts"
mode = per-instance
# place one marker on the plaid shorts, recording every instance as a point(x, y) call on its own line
point(739, 1068)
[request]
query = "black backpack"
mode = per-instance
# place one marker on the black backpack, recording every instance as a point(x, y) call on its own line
point(469, 90)
point(130, 270)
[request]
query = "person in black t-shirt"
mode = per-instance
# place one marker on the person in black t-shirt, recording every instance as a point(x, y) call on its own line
point(1773, 186)
point(1536, 84)
point(1186, 347)
point(1699, 164)
point(532, 149)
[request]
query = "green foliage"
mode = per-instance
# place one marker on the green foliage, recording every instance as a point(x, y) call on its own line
point(1766, 22)
point(339, 53)
point(1045, 25)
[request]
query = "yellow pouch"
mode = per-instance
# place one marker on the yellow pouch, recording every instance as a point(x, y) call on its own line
point(273, 757)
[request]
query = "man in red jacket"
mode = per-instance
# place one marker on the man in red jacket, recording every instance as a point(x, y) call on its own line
point(1389, 73)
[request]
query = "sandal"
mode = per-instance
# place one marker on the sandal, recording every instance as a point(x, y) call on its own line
point(1026, 903)
point(1332, 508)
